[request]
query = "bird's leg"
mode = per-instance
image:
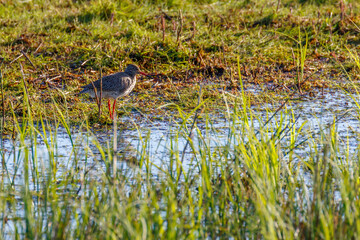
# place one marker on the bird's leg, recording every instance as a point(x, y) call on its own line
point(114, 107)
point(109, 105)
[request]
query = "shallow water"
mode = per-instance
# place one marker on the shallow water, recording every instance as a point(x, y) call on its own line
point(158, 138)
point(164, 143)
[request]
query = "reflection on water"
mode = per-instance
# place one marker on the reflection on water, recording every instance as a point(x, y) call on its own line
point(155, 147)
point(162, 141)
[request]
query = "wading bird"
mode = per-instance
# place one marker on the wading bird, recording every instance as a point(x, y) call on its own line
point(114, 86)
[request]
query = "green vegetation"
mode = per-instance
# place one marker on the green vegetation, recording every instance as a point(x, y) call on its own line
point(253, 184)
point(186, 43)
point(268, 178)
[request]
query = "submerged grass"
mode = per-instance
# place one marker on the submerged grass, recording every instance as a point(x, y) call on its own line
point(244, 188)
point(260, 177)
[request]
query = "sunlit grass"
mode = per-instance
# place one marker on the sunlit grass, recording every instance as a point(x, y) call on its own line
point(68, 43)
point(253, 183)
point(259, 176)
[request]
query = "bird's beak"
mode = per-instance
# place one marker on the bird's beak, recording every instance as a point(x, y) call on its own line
point(143, 73)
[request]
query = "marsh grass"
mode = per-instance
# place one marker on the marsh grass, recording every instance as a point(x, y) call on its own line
point(260, 176)
point(252, 180)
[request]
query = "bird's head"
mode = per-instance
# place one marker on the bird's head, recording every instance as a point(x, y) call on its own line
point(132, 70)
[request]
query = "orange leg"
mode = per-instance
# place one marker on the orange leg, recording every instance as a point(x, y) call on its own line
point(113, 108)
point(109, 105)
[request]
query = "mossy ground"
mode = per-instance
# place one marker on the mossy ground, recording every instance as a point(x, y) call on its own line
point(282, 46)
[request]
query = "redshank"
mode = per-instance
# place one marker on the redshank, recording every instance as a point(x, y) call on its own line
point(114, 86)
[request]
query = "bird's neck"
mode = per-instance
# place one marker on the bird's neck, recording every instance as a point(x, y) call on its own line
point(131, 74)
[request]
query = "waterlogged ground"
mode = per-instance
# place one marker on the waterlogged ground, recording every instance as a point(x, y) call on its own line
point(165, 140)
point(52, 49)
point(242, 178)
point(155, 148)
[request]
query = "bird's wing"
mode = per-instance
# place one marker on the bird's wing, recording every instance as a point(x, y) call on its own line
point(117, 80)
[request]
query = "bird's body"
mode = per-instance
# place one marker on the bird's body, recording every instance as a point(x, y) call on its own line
point(113, 86)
